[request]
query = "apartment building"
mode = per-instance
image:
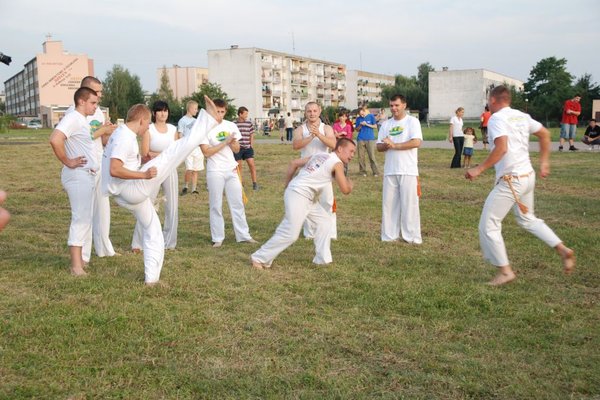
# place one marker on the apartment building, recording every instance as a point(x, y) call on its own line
point(363, 87)
point(49, 79)
point(271, 83)
point(469, 88)
point(183, 81)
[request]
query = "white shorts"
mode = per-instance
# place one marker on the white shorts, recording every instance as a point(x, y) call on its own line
point(195, 161)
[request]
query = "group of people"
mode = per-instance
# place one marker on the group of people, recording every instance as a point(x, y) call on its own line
point(134, 178)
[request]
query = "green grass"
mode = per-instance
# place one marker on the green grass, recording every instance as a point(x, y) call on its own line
point(384, 320)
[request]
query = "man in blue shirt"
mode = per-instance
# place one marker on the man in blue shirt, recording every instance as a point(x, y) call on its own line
point(365, 124)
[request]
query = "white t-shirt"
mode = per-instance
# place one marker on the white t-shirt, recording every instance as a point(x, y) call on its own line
point(123, 146)
point(315, 175)
point(95, 121)
point(401, 162)
point(159, 141)
point(315, 146)
point(289, 122)
point(457, 126)
point(517, 126)
point(184, 126)
point(79, 141)
point(224, 159)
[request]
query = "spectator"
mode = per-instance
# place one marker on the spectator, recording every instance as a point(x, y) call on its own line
point(568, 124)
point(592, 134)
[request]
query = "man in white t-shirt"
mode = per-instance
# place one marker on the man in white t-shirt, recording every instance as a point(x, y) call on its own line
point(73, 145)
point(400, 137)
point(508, 134)
point(195, 161)
point(299, 199)
point(100, 129)
point(134, 187)
point(289, 127)
point(218, 146)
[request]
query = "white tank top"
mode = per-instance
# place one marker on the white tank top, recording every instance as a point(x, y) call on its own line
point(160, 141)
point(315, 175)
point(315, 146)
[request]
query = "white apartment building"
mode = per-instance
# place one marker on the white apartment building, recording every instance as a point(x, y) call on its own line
point(468, 88)
point(271, 83)
point(363, 87)
point(184, 81)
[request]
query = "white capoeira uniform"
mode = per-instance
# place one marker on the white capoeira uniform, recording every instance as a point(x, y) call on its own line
point(400, 199)
point(301, 202)
point(221, 174)
point(80, 182)
point(159, 141)
point(326, 197)
point(195, 161)
point(515, 167)
point(101, 211)
point(136, 194)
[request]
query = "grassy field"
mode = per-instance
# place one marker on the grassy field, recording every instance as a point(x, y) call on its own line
point(385, 320)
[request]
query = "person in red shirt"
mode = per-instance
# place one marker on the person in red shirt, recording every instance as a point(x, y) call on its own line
point(485, 116)
point(568, 123)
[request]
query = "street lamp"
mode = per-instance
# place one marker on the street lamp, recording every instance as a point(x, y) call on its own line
point(526, 103)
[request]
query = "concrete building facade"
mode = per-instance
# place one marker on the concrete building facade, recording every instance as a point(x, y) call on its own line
point(49, 79)
point(469, 89)
point(183, 81)
point(271, 83)
point(363, 87)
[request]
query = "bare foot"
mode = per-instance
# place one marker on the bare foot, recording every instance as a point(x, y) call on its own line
point(256, 264)
point(136, 251)
point(502, 278)
point(78, 271)
point(568, 259)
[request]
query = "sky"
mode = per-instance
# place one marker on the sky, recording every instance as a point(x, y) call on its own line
point(381, 36)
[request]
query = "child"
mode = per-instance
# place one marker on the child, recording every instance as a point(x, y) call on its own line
point(470, 140)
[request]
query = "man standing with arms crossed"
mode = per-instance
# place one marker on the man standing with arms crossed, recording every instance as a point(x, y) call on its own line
point(365, 125)
point(311, 138)
point(508, 132)
point(195, 161)
point(246, 144)
point(400, 137)
point(74, 147)
point(568, 123)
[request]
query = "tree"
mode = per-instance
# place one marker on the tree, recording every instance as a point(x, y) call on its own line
point(548, 86)
point(589, 91)
point(416, 98)
point(213, 91)
point(121, 91)
point(423, 71)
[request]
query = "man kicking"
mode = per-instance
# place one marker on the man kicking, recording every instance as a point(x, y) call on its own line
point(134, 187)
point(301, 202)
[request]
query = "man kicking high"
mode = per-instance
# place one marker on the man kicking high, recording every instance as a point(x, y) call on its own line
point(301, 202)
point(134, 186)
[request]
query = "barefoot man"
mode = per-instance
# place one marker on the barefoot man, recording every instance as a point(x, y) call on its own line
point(508, 134)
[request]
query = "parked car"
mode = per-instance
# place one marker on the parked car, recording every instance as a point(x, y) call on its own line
point(34, 124)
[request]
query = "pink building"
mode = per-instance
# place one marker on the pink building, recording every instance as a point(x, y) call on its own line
point(50, 79)
point(183, 81)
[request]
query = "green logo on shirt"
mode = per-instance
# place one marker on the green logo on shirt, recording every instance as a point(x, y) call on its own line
point(221, 136)
point(94, 126)
point(397, 130)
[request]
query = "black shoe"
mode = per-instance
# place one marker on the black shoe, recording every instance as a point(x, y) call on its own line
point(195, 192)
point(184, 191)
point(255, 186)
point(560, 148)
point(573, 148)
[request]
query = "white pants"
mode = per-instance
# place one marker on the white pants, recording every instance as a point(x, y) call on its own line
point(136, 194)
point(195, 161)
point(497, 205)
point(298, 209)
point(326, 199)
point(79, 185)
point(100, 225)
point(400, 209)
point(170, 189)
point(229, 181)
